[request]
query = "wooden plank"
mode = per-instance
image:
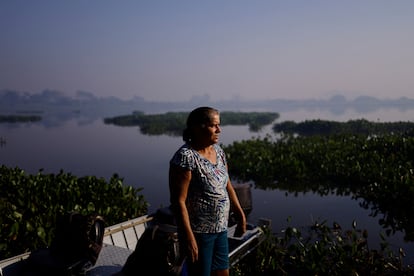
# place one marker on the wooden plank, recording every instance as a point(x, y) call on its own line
point(126, 234)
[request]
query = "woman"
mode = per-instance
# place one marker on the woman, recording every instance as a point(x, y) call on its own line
point(201, 195)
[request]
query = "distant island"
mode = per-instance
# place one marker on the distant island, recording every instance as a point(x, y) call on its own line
point(19, 118)
point(173, 123)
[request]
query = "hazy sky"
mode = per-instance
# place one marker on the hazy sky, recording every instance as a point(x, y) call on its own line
point(173, 50)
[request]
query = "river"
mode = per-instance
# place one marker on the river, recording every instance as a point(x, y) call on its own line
point(94, 148)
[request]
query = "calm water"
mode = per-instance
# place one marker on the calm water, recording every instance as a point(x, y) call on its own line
point(102, 150)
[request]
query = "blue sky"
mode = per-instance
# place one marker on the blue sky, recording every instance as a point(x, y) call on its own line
point(173, 50)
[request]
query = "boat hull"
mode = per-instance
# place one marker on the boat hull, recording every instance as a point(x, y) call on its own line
point(120, 241)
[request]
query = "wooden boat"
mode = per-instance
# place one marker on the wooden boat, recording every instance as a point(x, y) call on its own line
point(121, 239)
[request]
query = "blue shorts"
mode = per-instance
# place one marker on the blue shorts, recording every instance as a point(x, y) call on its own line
point(213, 252)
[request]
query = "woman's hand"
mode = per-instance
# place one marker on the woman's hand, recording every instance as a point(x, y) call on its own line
point(241, 227)
point(192, 250)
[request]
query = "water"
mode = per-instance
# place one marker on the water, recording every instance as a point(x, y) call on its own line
point(102, 150)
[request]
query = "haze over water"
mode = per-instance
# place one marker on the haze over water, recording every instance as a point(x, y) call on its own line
point(236, 49)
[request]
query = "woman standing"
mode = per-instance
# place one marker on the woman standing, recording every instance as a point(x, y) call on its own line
point(201, 195)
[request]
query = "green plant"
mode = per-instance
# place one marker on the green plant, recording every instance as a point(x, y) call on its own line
point(29, 205)
point(320, 250)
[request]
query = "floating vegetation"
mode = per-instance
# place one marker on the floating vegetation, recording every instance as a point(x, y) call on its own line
point(29, 205)
point(173, 123)
point(361, 126)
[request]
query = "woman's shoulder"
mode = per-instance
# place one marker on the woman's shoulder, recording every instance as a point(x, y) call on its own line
point(184, 150)
point(218, 149)
point(184, 157)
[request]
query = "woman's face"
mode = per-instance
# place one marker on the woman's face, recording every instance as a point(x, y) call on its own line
point(210, 132)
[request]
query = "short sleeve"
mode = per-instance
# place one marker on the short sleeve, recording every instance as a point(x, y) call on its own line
point(184, 158)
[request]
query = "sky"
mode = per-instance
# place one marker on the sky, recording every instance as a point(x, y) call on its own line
point(175, 50)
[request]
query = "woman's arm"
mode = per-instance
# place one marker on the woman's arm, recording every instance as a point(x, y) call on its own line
point(179, 181)
point(237, 209)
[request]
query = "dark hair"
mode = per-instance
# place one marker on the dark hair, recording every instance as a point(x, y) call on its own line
point(197, 117)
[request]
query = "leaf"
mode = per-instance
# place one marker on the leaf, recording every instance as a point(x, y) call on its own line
point(91, 207)
point(41, 233)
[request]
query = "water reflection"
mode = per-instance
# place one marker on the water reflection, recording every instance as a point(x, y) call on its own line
point(393, 211)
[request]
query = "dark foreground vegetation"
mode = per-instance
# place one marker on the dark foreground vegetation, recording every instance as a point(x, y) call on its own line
point(173, 123)
point(30, 204)
point(375, 168)
point(321, 250)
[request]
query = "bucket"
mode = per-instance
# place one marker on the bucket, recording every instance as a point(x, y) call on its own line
point(244, 195)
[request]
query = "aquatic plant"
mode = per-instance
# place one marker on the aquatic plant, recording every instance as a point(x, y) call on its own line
point(30, 204)
point(321, 250)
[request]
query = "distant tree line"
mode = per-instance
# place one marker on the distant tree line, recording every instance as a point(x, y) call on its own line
point(19, 118)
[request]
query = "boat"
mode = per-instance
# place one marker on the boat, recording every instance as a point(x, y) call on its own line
point(120, 240)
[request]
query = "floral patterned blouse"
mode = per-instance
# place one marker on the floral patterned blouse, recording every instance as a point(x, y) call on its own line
point(207, 202)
